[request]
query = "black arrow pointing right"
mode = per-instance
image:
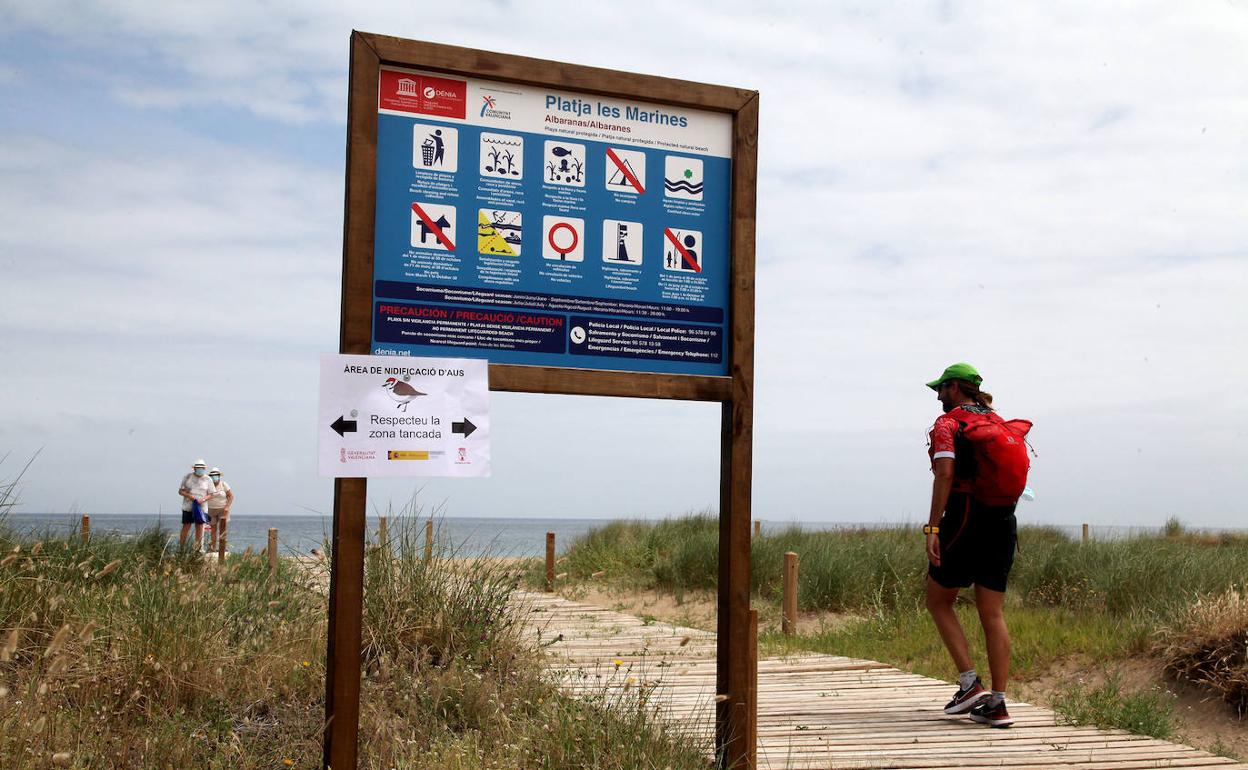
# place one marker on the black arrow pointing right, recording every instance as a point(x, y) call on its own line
point(343, 427)
point(466, 427)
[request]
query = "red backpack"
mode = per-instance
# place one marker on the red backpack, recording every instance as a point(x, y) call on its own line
point(1000, 448)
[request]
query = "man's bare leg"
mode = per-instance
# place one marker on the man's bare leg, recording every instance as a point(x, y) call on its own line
point(182, 537)
point(991, 606)
point(940, 605)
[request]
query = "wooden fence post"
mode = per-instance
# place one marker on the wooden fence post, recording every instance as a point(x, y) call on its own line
point(1085, 533)
point(789, 608)
point(429, 540)
point(272, 553)
point(86, 527)
point(220, 547)
point(550, 561)
point(383, 532)
point(752, 696)
point(758, 528)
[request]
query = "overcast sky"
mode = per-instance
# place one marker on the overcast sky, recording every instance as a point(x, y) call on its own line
point(1055, 192)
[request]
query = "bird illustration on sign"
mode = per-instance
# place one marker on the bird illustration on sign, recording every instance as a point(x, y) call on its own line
point(401, 392)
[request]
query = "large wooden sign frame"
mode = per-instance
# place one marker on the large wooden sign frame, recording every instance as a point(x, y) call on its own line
point(735, 683)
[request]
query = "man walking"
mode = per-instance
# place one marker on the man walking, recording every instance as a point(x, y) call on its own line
point(195, 490)
point(971, 535)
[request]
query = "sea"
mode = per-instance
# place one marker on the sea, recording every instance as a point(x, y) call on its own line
point(300, 533)
point(455, 536)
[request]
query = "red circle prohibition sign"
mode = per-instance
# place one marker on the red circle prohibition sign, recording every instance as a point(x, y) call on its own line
point(550, 238)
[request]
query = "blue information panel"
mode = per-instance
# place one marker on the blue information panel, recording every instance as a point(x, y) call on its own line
point(530, 226)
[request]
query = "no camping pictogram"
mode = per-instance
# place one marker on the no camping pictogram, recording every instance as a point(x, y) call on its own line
point(684, 250)
point(626, 168)
point(433, 226)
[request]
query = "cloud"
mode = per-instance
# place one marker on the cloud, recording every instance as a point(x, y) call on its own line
point(1014, 184)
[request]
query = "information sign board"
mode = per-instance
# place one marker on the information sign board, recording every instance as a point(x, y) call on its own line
point(588, 232)
point(530, 225)
point(387, 416)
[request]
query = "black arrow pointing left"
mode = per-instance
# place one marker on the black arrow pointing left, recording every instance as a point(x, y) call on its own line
point(343, 427)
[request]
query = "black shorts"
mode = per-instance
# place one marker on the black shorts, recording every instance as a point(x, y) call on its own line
point(977, 543)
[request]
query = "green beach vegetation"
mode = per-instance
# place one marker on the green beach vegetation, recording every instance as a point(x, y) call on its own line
point(123, 653)
point(1171, 597)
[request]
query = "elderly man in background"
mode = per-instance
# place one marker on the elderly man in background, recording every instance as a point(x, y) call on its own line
point(195, 490)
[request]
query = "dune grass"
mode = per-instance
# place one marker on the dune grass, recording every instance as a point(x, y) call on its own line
point(1147, 712)
point(123, 653)
point(1208, 643)
point(851, 570)
point(1102, 601)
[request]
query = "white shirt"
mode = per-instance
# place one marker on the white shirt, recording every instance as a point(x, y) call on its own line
point(200, 487)
point(220, 498)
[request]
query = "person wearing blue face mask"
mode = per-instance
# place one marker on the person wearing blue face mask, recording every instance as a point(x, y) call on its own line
point(195, 490)
point(219, 507)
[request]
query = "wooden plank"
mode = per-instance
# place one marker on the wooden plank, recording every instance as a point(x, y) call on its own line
point(598, 382)
point(489, 65)
point(820, 711)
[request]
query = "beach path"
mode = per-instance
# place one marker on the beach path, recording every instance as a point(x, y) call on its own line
point(825, 711)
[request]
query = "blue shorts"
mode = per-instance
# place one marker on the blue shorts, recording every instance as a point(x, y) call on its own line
point(197, 515)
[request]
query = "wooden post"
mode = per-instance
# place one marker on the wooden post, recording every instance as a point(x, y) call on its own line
point(272, 549)
point(758, 528)
point(734, 735)
point(789, 620)
point(550, 561)
point(383, 532)
point(340, 749)
point(346, 607)
point(429, 541)
point(220, 548)
point(1085, 533)
point(753, 692)
point(86, 527)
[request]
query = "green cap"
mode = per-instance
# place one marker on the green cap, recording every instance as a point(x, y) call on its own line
point(957, 372)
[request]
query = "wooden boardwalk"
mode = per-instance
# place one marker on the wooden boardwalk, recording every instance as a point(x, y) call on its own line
point(825, 711)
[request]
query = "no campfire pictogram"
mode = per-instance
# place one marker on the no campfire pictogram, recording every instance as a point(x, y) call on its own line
point(689, 261)
point(425, 225)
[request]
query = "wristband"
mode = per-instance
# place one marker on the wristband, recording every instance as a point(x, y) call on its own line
point(928, 529)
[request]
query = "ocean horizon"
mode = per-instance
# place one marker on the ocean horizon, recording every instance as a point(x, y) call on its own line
point(462, 536)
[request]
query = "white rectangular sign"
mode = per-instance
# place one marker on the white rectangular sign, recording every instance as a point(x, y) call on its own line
point(403, 416)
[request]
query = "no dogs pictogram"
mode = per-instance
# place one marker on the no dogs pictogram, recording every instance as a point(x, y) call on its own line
point(433, 226)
